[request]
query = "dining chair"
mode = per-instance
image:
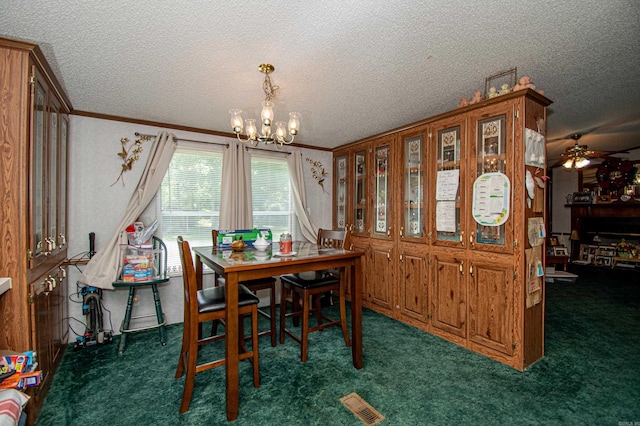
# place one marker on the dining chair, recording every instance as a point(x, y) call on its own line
point(255, 285)
point(209, 305)
point(307, 288)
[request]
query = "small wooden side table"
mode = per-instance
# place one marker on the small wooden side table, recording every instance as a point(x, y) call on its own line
point(557, 260)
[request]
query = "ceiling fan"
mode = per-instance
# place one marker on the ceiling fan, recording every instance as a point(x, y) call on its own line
point(579, 156)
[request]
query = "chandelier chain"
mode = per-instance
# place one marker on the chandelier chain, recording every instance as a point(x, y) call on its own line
point(269, 89)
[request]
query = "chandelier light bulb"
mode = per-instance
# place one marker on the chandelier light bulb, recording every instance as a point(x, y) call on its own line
point(252, 131)
point(236, 120)
point(267, 113)
point(294, 122)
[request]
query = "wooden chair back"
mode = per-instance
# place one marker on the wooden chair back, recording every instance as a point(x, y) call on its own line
point(333, 238)
point(189, 282)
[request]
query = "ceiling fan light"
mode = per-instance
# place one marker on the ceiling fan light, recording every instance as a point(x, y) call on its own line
point(582, 162)
point(568, 164)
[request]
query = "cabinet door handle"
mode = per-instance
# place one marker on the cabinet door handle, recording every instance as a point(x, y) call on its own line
point(49, 284)
point(471, 238)
point(401, 231)
point(461, 268)
point(462, 238)
point(388, 231)
point(63, 273)
point(471, 269)
point(63, 239)
point(389, 255)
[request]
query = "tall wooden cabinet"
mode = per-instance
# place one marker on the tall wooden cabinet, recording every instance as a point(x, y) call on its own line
point(33, 166)
point(437, 257)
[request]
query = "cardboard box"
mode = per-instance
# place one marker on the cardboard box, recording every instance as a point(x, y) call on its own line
point(249, 236)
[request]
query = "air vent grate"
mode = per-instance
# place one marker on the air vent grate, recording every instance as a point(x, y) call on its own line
point(361, 409)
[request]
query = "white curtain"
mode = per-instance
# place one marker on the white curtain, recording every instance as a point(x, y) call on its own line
point(236, 208)
point(309, 230)
point(105, 266)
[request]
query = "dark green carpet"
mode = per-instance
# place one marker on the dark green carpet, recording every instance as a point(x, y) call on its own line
point(589, 376)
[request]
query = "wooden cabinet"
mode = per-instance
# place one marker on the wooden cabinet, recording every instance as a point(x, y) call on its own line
point(381, 263)
point(491, 306)
point(49, 312)
point(351, 191)
point(33, 165)
point(437, 257)
point(448, 307)
point(412, 297)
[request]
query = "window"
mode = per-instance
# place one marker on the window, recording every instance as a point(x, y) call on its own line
point(189, 200)
point(271, 194)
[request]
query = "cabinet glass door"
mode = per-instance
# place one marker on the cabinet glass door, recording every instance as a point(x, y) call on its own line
point(382, 190)
point(413, 187)
point(448, 201)
point(491, 157)
point(62, 181)
point(37, 171)
point(360, 191)
point(341, 192)
point(52, 155)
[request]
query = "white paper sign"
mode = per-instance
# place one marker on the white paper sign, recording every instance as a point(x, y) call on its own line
point(446, 216)
point(491, 199)
point(447, 183)
point(534, 148)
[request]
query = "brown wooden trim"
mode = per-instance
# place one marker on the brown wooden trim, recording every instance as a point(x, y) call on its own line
point(175, 127)
point(151, 123)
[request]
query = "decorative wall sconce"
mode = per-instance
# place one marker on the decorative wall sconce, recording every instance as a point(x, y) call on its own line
point(318, 172)
point(130, 154)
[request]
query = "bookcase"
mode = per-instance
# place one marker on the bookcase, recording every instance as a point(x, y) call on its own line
point(435, 259)
point(33, 165)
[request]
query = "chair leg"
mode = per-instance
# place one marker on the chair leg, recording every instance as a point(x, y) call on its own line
point(186, 332)
point(159, 315)
point(192, 357)
point(283, 310)
point(254, 346)
point(317, 299)
point(304, 339)
point(126, 320)
point(272, 301)
point(241, 346)
point(295, 307)
point(343, 318)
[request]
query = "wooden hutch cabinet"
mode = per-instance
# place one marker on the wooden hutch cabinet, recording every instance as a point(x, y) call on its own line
point(33, 164)
point(436, 258)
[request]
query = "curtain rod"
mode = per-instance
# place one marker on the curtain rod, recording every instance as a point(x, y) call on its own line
point(184, 140)
point(268, 150)
point(215, 143)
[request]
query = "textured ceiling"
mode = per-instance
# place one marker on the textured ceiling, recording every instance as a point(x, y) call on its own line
point(353, 69)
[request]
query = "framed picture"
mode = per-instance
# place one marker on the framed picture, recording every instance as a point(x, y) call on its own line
point(560, 251)
point(607, 251)
point(604, 260)
point(502, 81)
point(582, 198)
point(553, 241)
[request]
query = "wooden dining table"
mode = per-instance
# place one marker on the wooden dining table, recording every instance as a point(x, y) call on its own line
point(251, 264)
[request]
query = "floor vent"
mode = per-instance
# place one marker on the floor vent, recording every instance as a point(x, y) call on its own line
point(361, 409)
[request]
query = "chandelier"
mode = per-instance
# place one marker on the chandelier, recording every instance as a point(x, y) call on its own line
point(266, 135)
